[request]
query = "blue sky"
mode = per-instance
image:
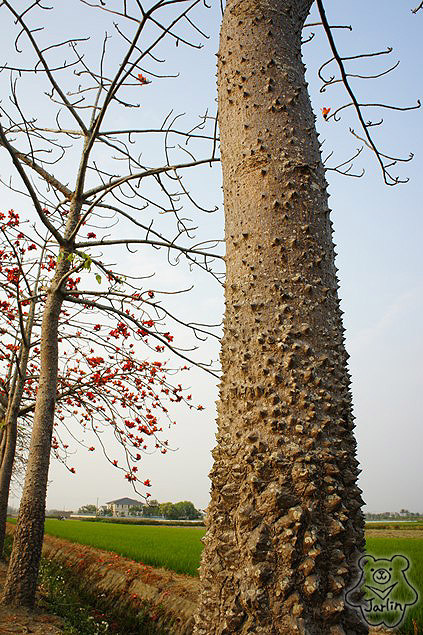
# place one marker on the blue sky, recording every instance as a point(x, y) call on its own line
point(378, 232)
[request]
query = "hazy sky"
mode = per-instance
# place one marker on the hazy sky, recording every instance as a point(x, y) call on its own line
point(378, 232)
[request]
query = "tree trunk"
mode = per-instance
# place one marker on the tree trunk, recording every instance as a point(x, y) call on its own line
point(3, 437)
point(284, 526)
point(24, 563)
point(10, 428)
point(10, 433)
point(6, 470)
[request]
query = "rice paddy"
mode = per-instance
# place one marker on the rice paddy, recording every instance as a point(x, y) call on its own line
point(176, 548)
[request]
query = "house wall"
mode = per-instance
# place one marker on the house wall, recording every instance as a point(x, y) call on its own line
point(118, 510)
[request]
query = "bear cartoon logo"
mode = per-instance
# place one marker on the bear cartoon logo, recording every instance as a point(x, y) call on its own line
point(383, 593)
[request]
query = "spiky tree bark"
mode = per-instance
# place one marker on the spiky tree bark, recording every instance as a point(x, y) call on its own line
point(284, 523)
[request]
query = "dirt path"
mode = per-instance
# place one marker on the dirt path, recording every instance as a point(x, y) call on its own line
point(21, 621)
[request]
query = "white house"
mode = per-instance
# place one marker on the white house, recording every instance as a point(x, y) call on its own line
point(120, 506)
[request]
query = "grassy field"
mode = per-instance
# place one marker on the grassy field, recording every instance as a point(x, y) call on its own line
point(409, 544)
point(409, 526)
point(176, 548)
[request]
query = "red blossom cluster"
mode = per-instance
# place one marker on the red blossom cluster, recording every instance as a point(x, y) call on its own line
point(120, 330)
point(102, 383)
point(12, 216)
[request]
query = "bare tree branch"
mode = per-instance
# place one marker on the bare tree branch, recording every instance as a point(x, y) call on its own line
point(387, 176)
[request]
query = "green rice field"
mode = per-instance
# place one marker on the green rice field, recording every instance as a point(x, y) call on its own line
point(408, 544)
point(175, 548)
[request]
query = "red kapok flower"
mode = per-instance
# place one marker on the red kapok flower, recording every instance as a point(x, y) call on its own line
point(325, 112)
point(143, 80)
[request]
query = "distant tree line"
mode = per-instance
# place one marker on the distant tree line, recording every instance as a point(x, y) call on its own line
point(184, 510)
point(89, 510)
point(404, 514)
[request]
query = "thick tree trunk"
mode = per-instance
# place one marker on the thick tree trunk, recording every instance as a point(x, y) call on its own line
point(284, 526)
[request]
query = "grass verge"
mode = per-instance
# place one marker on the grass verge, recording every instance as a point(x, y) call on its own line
point(61, 592)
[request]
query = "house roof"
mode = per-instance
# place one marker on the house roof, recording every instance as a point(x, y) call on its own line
point(124, 501)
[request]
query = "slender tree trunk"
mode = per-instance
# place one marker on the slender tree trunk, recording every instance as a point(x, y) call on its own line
point(284, 526)
point(23, 568)
point(10, 437)
point(3, 438)
point(10, 429)
point(6, 470)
